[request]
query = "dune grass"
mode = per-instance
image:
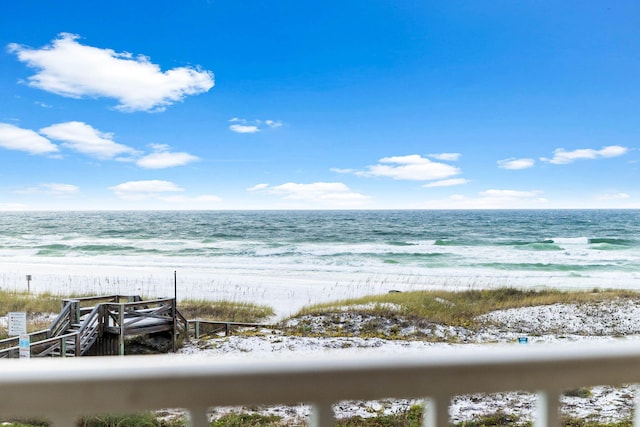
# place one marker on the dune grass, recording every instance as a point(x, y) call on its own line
point(29, 303)
point(459, 308)
point(224, 310)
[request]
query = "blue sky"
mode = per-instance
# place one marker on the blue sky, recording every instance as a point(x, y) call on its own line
point(371, 104)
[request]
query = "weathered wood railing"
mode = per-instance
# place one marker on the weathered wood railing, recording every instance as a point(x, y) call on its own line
point(89, 330)
point(63, 322)
point(125, 385)
point(61, 345)
point(217, 326)
point(83, 320)
point(9, 346)
point(139, 317)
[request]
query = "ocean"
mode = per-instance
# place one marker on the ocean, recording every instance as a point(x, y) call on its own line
point(291, 258)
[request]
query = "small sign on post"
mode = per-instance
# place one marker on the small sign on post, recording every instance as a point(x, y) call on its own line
point(523, 340)
point(24, 345)
point(17, 323)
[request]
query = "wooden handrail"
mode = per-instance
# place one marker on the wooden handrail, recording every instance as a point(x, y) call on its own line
point(13, 341)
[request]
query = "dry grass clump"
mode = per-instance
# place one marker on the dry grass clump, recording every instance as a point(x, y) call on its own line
point(29, 303)
point(224, 311)
point(35, 305)
point(458, 308)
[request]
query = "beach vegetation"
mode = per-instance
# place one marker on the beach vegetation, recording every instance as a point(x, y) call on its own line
point(578, 422)
point(30, 303)
point(433, 315)
point(459, 308)
point(582, 392)
point(497, 419)
point(146, 419)
point(38, 307)
point(224, 311)
point(248, 420)
point(411, 416)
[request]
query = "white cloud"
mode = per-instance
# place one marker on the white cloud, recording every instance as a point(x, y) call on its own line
point(13, 207)
point(85, 139)
point(184, 200)
point(140, 190)
point(71, 69)
point(252, 126)
point(273, 123)
point(150, 186)
point(58, 189)
point(324, 193)
point(258, 187)
point(447, 183)
point(339, 170)
point(490, 199)
point(563, 157)
point(450, 157)
point(51, 189)
point(516, 164)
point(413, 167)
point(61, 189)
point(244, 128)
point(163, 158)
point(15, 138)
point(161, 191)
point(614, 196)
point(510, 194)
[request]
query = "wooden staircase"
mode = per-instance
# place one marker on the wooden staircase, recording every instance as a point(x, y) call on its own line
point(99, 325)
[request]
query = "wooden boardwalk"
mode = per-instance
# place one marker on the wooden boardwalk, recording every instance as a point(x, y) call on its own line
point(100, 325)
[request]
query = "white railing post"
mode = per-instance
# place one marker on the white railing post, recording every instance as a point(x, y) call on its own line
point(197, 417)
point(547, 409)
point(636, 405)
point(322, 415)
point(436, 412)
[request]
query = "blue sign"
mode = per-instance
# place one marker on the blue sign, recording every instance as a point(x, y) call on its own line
point(24, 344)
point(523, 340)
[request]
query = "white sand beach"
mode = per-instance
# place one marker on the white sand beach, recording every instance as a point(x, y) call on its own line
point(558, 324)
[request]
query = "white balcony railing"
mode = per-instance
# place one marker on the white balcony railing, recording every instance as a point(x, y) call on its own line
point(64, 389)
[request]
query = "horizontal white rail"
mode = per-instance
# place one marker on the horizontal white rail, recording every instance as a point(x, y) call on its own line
point(64, 389)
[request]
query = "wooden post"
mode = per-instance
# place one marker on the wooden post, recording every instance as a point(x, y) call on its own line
point(101, 320)
point(121, 336)
point(173, 312)
point(74, 312)
point(78, 345)
point(175, 326)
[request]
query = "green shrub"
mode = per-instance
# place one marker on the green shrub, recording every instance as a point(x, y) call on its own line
point(247, 420)
point(494, 420)
point(582, 392)
point(146, 419)
point(411, 417)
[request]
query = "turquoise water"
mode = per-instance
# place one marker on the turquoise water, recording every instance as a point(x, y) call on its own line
point(529, 245)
